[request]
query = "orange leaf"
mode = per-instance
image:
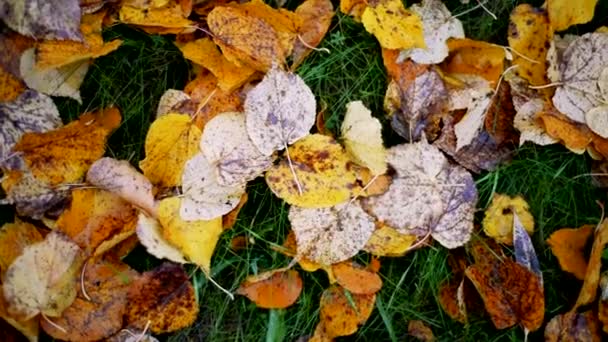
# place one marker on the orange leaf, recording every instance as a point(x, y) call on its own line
point(592, 274)
point(341, 317)
point(10, 86)
point(449, 301)
point(276, 289)
point(575, 137)
point(316, 17)
point(354, 8)
point(356, 279)
point(469, 56)
point(568, 246)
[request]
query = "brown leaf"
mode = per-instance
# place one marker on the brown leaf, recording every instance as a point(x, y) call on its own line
point(592, 274)
point(164, 297)
point(451, 302)
point(420, 331)
point(356, 279)
point(573, 326)
point(316, 17)
point(276, 289)
point(568, 246)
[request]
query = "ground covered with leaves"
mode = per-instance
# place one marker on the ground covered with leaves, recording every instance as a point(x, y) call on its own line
point(304, 170)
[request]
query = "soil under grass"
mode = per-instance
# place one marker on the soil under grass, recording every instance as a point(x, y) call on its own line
point(552, 179)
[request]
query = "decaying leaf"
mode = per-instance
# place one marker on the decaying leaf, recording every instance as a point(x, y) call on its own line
point(476, 97)
point(451, 300)
point(99, 314)
point(11, 327)
point(43, 278)
point(393, 25)
point(14, 238)
point(475, 57)
point(38, 19)
point(498, 220)
point(573, 326)
point(592, 274)
point(362, 136)
point(527, 123)
point(204, 90)
point(171, 18)
point(568, 246)
point(164, 297)
point(279, 111)
point(227, 146)
point(420, 330)
point(195, 239)
point(276, 289)
point(171, 101)
point(330, 235)
point(564, 13)
point(387, 241)
point(523, 248)
point(204, 197)
point(123, 180)
point(149, 233)
point(171, 141)
point(10, 86)
point(30, 112)
point(438, 26)
point(355, 278)
point(354, 8)
point(316, 17)
point(321, 172)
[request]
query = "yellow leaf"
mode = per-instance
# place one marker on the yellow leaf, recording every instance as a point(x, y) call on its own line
point(320, 166)
point(565, 13)
point(205, 53)
point(498, 220)
point(387, 241)
point(362, 134)
point(171, 141)
point(10, 86)
point(354, 8)
point(164, 20)
point(393, 25)
point(195, 239)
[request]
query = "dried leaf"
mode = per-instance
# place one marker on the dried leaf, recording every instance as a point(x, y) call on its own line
point(10, 86)
point(37, 19)
point(393, 25)
point(316, 17)
point(568, 246)
point(171, 101)
point(150, 235)
point(573, 326)
point(229, 220)
point(356, 279)
point(592, 274)
point(421, 331)
point(451, 302)
point(362, 136)
point(276, 289)
point(563, 13)
point(387, 241)
point(476, 96)
point(596, 120)
point(168, 19)
point(330, 235)
point(498, 220)
point(321, 170)
point(14, 238)
point(354, 8)
point(204, 197)
point(10, 327)
point(341, 316)
point(279, 111)
point(525, 254)
point(475, 57)
point(527, 124)
point(164, 297)
point(43, 278)
point(204, 90)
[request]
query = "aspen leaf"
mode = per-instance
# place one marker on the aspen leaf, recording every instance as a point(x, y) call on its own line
point(204, 90)
point(30, 112)
point(279, 111)
point(276, 289)
point(393, 25)
point(8, 324)
point(356, 279)
point(330, 235)
point(582, 64)
point(316, 18)
point(420, 330)
point(95, 216)
point(568, 246)
point(170, 101)
point(387, 241)
point(339, 316)
point(451, 302)
point(476, 97)
point(163, 296)
point(149, 233)
point(498, 220)
point(227, 146)
point(171, 141)
point(43, 278)
point(596, 119)
point(101, 314)
point(523, 248)
point(35, 18)
point(204, 197)
point(354, 8)
point(168, 19)
point(564, 14)
point(195, 239)
point(121, 179)
point(206, 54)
point(290, 249)
point(438, 26)
point(480, 58)
point(362, 136)
point(14, 238)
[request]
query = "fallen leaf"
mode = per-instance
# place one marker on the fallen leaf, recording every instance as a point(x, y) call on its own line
point(362, 137)
point(393, 25)
point(290, 247)
point(526, 122)
point(354, 8)
point(568, 246)
point(95, 216)
point(168, 19)
point(10, 86)
point(204, 91)
point(476, 57)
point(573, 326)
point(123, 180)
point(387, 241)
point(592, 274)
point(30, 112)
point(164, 297)
point(14, 238)
point(330, 235)
point(498, 220)
point(35, 18)
point(563, 14)
point(596, 120)
point(171, 141)
point(316, 16)
point(43, 278)
point(149, 233)
point(523, 249)
point(171, 101)
point(574, 136)
point(356, 279)
point(341, 316)
point(438, 25)
point(476, 97)
point(195, 239)
point(420, 331)
point(451, 302)
point(276, 289)
point(227, 147)
point(106, 285)
point(321, 170)
point(11, 327)
point(279, 111)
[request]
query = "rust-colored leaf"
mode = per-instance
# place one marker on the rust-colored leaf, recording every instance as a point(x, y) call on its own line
point(277, 289)
point(573, 326)
point(341, 316)
point(568, 246)
point(356, 279)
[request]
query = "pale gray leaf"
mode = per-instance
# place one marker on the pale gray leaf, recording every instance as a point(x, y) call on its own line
point(43, 19)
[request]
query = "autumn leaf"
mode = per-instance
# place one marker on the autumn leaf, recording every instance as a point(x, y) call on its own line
point(14, 238)
point(476, 96)
point(204, 90)
point(150, 234)
point(451, 299)
point(498, 219)
point(354, 8)
point(573, 326)
point(230, 219)
point(527, 123)
point(35, 18)
point(588, 291)
point(316, 16)
point(563, 14)
point(330, 235)
point(171, 141)
point(171, 102)
point(9, 326)
point(279, 111)
point(10, 86)
point(523, 249)
point(164, 297)
point(168, 19)
point(356, 279)
point(467, 56)
point(393, 25)
point(387, 241)
point(277, 289)
point(43, 278)
point(420, 330)
point(321, 171)
point(568, 245)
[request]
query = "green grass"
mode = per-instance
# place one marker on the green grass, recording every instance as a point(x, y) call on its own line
point(550, 178)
